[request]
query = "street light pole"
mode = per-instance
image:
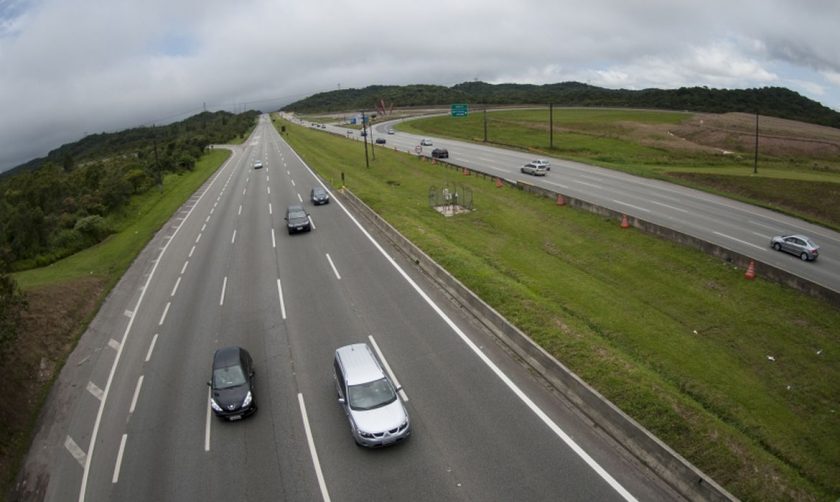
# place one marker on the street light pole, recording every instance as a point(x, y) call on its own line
point(364, 138)
point(551, 126)
point(755, 162)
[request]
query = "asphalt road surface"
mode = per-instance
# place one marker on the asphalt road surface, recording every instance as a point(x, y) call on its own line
point(129, 418)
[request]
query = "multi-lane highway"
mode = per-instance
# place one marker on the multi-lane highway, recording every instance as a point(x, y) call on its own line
point(129, 417)
point(733, 225)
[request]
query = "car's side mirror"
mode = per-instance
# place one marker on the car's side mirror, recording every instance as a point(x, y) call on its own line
point(398, 388)
point(341, 400)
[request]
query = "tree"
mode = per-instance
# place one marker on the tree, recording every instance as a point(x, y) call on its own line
point(12, 305)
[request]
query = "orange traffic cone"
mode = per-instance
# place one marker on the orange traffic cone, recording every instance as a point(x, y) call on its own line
point(561, 201)
point(624, 222)
point(466, 172)
point(499, 183)
point(434, 161)
point(750, 273)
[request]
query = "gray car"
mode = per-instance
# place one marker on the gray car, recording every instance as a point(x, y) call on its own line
point(798, 245)
point(533, 170)
point(369, 399)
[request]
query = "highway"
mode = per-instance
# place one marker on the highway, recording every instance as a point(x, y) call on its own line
point(129, 417)
point(737, 226)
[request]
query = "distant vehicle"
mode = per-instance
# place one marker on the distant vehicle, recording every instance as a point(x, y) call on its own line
point(323, 126)
point(541, 162)
point(390, 130)
point(232, 384)
point(798, 245)
point(319, 196)
point(425, 142)
point(258, 164)
point(363, 133)
point(440, 153)
point(297, 219)
point(533, 170)
point(376, 414)
point(380, 141)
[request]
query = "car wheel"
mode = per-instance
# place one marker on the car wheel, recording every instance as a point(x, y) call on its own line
point(804, 256)
point(522, 171)
point(777, 246)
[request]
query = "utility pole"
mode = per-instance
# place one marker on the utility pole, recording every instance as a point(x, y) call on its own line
point(372, 149)
point(485, 124)
point(551, 126)
point(755, 162)
point(364, 138)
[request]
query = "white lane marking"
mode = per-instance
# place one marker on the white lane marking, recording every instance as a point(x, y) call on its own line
point(191, 253)
point(312, 451)
point(136, 394)
point(280, 295)
point(238, 213)
point(207, 424)
point(335, 270)
point(118, 464)
point(128, 313)
point(273, 240)
point(486, 360)
point(268, 189)
point(269, 208)
point(766, 237)
point(300, 198)
point(293, 182)
point(739, 240)
point(267, 179)
point(775, 228)
point(207, 220)
point(669, 206)
point(243, 190)
point(96, 391)
point(165, 311)
point(233, 238)
point(198, 238)
point(557, 184)
point(222, 297)
point(287, 172)
point(311, 223)
point(631, 205)
point(204, 227)
point(593, 185)
point(114, 344)
point(185, 265)
point(212, 209)
point(74, 450)
point(175, 288)
point(151, 347)
point(381, 356)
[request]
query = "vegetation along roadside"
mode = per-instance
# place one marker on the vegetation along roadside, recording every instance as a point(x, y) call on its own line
point(677, 339)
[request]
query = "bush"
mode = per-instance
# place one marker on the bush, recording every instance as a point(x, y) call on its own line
point(93, 227)
point(12, 305)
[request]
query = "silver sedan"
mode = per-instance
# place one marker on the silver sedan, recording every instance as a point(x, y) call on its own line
point(798, 245)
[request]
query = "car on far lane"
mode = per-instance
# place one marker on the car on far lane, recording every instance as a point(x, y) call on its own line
point(319, 196)
point(390, 130)
point(297, 219)
point(440, 153)
point(232, 384)
point(258, 164)
point(425, 142)
point(380, 141)
point(533, 170)
point(541, 162)
point(798, 245)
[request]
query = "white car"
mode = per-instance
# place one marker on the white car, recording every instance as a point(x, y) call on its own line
point(425, 142)
point(258, 164)
point(533, 170)
point(390, 131)
point(541, 162)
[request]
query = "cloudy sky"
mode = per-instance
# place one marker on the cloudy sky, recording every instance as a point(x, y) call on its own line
point(74, 67)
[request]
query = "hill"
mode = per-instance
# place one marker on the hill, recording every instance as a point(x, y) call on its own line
point(771, 101)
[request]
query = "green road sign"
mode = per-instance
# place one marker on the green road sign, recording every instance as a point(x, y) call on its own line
point(460, 110)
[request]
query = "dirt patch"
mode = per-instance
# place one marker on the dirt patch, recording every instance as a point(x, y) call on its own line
point(50, 328)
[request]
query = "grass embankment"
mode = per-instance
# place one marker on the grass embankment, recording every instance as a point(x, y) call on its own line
point(64, 297)
point(677, 147)
point(677, 339)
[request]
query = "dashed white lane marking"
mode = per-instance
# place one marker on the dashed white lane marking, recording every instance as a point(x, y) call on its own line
point(593, 185)
point(212, 209)
point(238, 213)
point(269, 208)
point(300, 198)
point(207, 220)
point(631, 205)
point(335, 270)
point(151, 347)
point(207, 423)
point(96, 391)
point(268, 189)
point(204, 227)
point(288, 173)
point(222, 297)
point(136, 394)
point(311, 223)
point(763, 236)
point(74, 450)
point(233, 238)
point(312, 451)
point(119, 460)
point(114, 344)
point(669, 206)
point(198, 238)
point(267, 179)
point(739, 240)
point(175, 288)
point(165, 311)
point(273, 241)
point(388, 368)
point(293, 182)
point(184, 268)
point(243, 191)
point(191, 253)
point(280, 295)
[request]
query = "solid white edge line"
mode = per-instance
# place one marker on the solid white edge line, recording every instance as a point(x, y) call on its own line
point(391, 374)
point(222, 297)
point(280, 295)
point(207, 424)
point(118, 463)
point(312, 451)
point(335, 270)
point(175, 288)
point(151, 347)
point(507, 381)
point(98, 420)
point(136, 394)
point(163, 315)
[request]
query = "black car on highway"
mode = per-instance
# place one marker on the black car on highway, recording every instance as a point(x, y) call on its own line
point(319, 196)
point(232, 384)
point(297, 219)
point(440, 153)
point(380, 141)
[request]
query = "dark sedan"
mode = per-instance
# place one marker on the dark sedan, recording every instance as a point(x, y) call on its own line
point(440, 153)
point(297, 219)
point(380, 141)
point(232, 384)
point(319, 196)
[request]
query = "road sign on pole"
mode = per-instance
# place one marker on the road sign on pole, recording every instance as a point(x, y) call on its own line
point(460, 110)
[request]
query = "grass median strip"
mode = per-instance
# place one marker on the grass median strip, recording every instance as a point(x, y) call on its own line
point(677, 339)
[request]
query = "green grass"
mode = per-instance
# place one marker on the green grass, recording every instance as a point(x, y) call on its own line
point(621, 309)
point(134, 227)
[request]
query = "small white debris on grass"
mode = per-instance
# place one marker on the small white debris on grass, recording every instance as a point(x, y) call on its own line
point(819, 352)
point(771, 358)
point(695, 331)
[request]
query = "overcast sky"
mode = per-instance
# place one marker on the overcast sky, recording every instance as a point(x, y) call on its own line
point(75, 67)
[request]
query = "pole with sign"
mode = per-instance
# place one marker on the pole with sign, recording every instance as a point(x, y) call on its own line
point(460, 110)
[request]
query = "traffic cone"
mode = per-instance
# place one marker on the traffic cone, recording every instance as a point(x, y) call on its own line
point(434, 161)
point(624, 222)
point(499, 183)
point(561, 201)
point(750, 273)
point(466, 172)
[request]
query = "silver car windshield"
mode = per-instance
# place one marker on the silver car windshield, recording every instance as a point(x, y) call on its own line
point(368, 396)
point(232, 376)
